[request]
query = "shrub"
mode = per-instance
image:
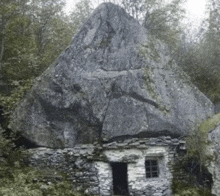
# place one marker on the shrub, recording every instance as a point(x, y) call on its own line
point(16, 179)
point(30, 181)
point(190, 173)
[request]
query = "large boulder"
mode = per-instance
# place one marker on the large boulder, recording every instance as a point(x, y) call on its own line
point(214, 166)
point(112, 82)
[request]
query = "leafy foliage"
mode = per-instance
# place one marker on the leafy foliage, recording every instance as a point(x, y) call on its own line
point(33, 39)
point(198, 142)
point(200, 57)
point(80, 14)
point(163, 20)
point(9, 102)
point(6, 147)
point(190, 176)
point(189, 191)
point(32, 35)
point(20, 180)
point(28, 181)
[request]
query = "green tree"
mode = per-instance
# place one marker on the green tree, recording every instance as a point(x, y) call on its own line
point(200, 58)
point(21, 180)
point(48, 20)
point(34, 38)
point(80, 14)
point(34, 34)
point(210, 46)
point(9, 10)
point(19, 45)
point(163, 20)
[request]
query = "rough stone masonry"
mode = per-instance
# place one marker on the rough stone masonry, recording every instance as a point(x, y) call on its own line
point(89, 167)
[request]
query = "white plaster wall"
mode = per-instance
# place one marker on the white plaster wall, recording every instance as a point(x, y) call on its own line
point(105, 178)
point(137, 180)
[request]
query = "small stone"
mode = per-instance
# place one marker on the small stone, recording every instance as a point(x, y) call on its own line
point(35, 180)
point(44, 187)
point(94, 178)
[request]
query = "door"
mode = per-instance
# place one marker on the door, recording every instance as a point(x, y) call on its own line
point(120, 178)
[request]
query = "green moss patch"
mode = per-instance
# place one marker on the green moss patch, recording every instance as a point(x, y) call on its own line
point(28, 181)
point(210, 124)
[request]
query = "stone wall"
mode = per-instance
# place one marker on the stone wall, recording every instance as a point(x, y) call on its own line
point(76, 163)
point(89, 166)
point(138, 184)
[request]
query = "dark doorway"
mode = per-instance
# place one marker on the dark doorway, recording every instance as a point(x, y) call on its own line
point(120, 178)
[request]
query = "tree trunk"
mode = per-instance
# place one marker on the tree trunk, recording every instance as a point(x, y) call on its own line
point(1, 54)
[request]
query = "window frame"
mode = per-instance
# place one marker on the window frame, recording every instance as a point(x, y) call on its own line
point(151, 168)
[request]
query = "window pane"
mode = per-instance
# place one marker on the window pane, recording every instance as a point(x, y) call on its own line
point(151, 167)
point(154, 168)
point(148, 169)
point(154, 174)
point(148, 175)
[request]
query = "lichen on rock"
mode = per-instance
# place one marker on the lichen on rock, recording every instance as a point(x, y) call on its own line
point(97, 89)
point(213, 126)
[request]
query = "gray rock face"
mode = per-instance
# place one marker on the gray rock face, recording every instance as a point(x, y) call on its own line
point(106, 85)
point(214, 167)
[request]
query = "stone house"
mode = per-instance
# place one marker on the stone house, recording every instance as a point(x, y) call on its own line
point(107, 114)
point(130, 167)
